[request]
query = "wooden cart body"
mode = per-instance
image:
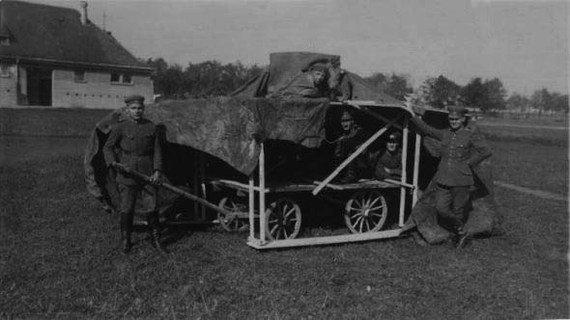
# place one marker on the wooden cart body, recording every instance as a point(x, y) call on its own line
point(258, 187)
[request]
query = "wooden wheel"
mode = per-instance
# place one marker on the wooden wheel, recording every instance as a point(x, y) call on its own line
point(365, 211)
point(283, 219)
point(239, 210)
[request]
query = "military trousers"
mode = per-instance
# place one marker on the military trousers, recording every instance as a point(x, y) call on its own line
point(147, 197)
point(451, 203)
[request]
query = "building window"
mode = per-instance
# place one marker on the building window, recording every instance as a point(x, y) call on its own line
point(5, 70)
point(121, 78)
point(127, 78)
point(79, 76)
point(115, 77)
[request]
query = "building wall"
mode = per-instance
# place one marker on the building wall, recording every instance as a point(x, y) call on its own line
point(8, 86)
point(96, 91)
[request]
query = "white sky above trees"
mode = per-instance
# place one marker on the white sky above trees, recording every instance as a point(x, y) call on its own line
point(524, 43)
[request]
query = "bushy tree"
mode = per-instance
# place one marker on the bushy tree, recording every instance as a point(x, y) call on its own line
point(440, 92)
point(200, 80)
point(487, 95)
point(544, 100)
point(396, 85)
point(518, 102)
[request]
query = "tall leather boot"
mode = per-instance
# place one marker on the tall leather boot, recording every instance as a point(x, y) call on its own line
point(126, 229)
point(153, 223)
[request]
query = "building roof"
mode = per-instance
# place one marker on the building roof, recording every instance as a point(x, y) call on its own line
point(41, 32)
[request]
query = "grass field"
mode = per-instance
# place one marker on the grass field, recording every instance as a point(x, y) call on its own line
point(59, 256)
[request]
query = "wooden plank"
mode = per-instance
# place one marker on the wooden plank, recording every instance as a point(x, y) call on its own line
point(376, 115)
point(251, 207)
point(405, 136)
point(262, 214)
point(355, 154)
point(415, 179)
point(303, 242)
point(400, 183)
point(370, 103)
point(235, 185)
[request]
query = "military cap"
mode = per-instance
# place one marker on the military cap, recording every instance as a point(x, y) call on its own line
point(318, 67)
point(457, 111)
point(133, 98)
point(395, 136)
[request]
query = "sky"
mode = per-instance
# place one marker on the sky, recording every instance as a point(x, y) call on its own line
point(524, 43)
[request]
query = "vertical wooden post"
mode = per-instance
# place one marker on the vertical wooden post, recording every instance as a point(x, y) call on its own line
point(416, 168)
point(251, 207)
point(196, 184)
point(202, 185)
point(404, 170)
point(262, 216)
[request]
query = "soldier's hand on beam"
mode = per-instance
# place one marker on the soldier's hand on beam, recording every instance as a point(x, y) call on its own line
point(155, 178)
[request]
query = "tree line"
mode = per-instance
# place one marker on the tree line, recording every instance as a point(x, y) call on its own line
point(212, 78)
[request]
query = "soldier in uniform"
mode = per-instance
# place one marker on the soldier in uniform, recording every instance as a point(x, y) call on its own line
point(462, 148)
point(353, 135)
point(135, 145)
point(309, 84)
point(389, 164)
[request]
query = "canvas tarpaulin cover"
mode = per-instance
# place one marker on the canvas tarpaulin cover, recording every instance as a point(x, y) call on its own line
point(230, 129)
point(285, 66)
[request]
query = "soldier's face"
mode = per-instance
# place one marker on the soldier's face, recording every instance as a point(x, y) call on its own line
point(346, 122)
point(456, 122)
point(135, 110)
point(318, 77)
point(392, 145)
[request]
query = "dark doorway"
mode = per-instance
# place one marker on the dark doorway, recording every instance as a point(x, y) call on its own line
point(39, 86)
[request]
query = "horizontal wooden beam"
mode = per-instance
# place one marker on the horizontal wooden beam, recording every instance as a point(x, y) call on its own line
point(303, 242)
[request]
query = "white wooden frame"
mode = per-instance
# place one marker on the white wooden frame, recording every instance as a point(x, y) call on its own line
point(262, 242)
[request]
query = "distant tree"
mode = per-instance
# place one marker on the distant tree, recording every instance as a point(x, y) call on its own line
point(205, 79)
point(487, 95)
point(496, 94)
point(560, 103)
point(541, 99)
point(474, 93)
point(440, 92)
point(396, 85)
point(518, 102)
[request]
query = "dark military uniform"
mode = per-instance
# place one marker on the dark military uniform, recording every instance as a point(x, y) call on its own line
point(461, 150)
point(135, 144)
point(389, 165)
point(345, 146)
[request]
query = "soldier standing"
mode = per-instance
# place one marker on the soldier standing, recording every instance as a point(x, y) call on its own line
point(462, 148)
point(135, 145)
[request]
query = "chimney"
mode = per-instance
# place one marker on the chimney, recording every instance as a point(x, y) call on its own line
point(83, 12)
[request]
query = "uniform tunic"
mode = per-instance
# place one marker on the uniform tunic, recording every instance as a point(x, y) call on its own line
point(135, 144)
point(389, 165)
point(461, 150)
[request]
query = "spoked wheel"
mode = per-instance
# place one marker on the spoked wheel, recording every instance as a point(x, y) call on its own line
point(365, 211)
point(238, 220)
point(283, 219)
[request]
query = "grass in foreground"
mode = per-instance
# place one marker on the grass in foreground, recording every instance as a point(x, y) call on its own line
point(59, 258)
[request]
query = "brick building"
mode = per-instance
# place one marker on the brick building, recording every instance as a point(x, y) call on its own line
point(54, 56)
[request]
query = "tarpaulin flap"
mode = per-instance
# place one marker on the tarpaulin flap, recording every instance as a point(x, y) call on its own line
point(231, 128)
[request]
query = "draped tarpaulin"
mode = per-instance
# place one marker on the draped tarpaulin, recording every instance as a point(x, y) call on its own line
point(229, 129)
